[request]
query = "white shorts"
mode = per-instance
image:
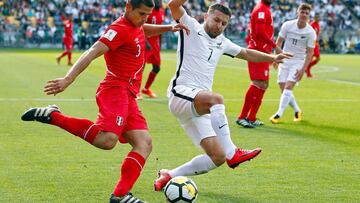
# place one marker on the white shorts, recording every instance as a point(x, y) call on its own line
point(182, 107)
point(288, 69)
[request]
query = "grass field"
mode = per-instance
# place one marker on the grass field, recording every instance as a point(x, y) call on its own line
point(317, 160)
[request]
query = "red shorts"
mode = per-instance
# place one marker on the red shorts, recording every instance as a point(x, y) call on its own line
point(317, 51)
point(259, 70)
point(118, 111)
point(68, 42)
point(153, 57)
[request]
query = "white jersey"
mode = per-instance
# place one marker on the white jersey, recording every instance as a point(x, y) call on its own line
point(297, 40)
point(198, 55)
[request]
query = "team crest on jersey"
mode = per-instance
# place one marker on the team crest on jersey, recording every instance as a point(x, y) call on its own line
point(218, 45)
point(261, 15)
point(110, 34)
point(266, 73)
point(119, 120)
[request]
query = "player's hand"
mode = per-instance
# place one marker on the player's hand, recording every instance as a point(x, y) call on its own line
point(53, 87)
point(279, 58)
point(179, 27)
point(299, 74)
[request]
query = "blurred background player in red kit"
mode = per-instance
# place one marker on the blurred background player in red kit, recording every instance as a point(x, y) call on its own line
point(67, 39)
point(316, 57)
point(152, 53)
point(260, 38)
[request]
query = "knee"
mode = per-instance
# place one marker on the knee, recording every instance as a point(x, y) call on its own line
point(217, 99)
point(144, 145)
point(109, 141)
point(219, 158)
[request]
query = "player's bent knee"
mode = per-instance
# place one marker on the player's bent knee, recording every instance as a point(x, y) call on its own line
point(105, 140)
point(217, 99)
point(156, 69)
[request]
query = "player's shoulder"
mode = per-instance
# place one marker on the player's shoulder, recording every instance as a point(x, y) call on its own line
point(309, 28)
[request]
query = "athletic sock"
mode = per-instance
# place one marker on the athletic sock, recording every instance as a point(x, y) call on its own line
point(69, 57)
point(220, 125)
point(257, 103)
point(83, 128)
point(130, 172)
point(150, 80)
point(249, 101)
point(62, 54)
point(294, 104)
point(198, 165)
point(284, 101)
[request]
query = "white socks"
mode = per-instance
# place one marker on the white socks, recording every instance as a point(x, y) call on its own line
point(284, 101)
point(294, 105)
point(198, 165)
point(220, 125)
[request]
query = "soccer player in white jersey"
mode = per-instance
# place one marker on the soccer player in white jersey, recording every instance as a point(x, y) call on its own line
point(200, 111)
point(299, 38)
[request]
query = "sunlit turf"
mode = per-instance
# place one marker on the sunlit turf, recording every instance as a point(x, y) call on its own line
point(317, 160)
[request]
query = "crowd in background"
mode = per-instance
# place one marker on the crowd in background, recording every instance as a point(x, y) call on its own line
point(37, 23)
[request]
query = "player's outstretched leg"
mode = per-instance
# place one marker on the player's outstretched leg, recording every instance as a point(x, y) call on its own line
point(242, 155)
point(128, 198)
point(83, 128)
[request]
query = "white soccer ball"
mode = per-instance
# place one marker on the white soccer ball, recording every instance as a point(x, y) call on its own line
point(180, 189)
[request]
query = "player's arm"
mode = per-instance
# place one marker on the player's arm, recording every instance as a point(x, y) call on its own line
point(308, 59)
point(177, 11)
point(60, 84)
point(257, 56)
point(153, 30)
point(279, 43)
point(259, 33)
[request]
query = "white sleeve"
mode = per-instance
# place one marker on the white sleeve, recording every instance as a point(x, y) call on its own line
point(189, 21)
point(231, 49)
point(283, 30)
point(312, 39)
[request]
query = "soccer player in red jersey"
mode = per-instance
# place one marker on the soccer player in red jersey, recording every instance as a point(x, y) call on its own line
point(261, 39)
point(152, 53)
point(316, 57)
point(119, 118)
point(67, 39)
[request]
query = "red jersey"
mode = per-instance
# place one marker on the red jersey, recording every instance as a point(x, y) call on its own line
point(125, 59)
point(68, 28)
point(157, 18)
point(261, 28)
point(316, 27)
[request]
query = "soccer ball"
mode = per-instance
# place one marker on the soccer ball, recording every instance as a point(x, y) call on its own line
point(181, 189)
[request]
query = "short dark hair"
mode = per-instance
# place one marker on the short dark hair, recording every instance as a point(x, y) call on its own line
point(220, 7)
point(305, 6)
point(136, 3)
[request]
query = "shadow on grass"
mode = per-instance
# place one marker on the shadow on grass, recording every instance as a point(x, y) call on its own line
point(326, 133)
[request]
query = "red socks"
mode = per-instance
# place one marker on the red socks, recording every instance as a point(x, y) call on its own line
point(69, 57)
point(253, 100)
point(150, 80)
point(130, 171)
point(255, 107)
point(83, 128)
point(249, 101)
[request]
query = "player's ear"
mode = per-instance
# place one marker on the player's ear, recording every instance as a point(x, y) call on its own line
point(128, 7)
point(206, 15)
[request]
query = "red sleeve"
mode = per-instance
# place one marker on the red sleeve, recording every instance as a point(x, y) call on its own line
point(113, 37)
point(260, 26)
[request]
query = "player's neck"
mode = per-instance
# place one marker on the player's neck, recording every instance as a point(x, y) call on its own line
point(301, 25)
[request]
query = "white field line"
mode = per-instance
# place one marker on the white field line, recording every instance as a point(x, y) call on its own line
point(163, 99)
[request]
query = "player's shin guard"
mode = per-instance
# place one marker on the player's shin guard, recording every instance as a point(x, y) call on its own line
point(130, 172)
point(198, 165)
point(220, 125)
point(83, 128)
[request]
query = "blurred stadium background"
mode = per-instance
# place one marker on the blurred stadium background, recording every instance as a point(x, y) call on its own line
point(37, 23)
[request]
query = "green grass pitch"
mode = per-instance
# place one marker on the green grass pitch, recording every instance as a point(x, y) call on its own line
point(317, 160)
